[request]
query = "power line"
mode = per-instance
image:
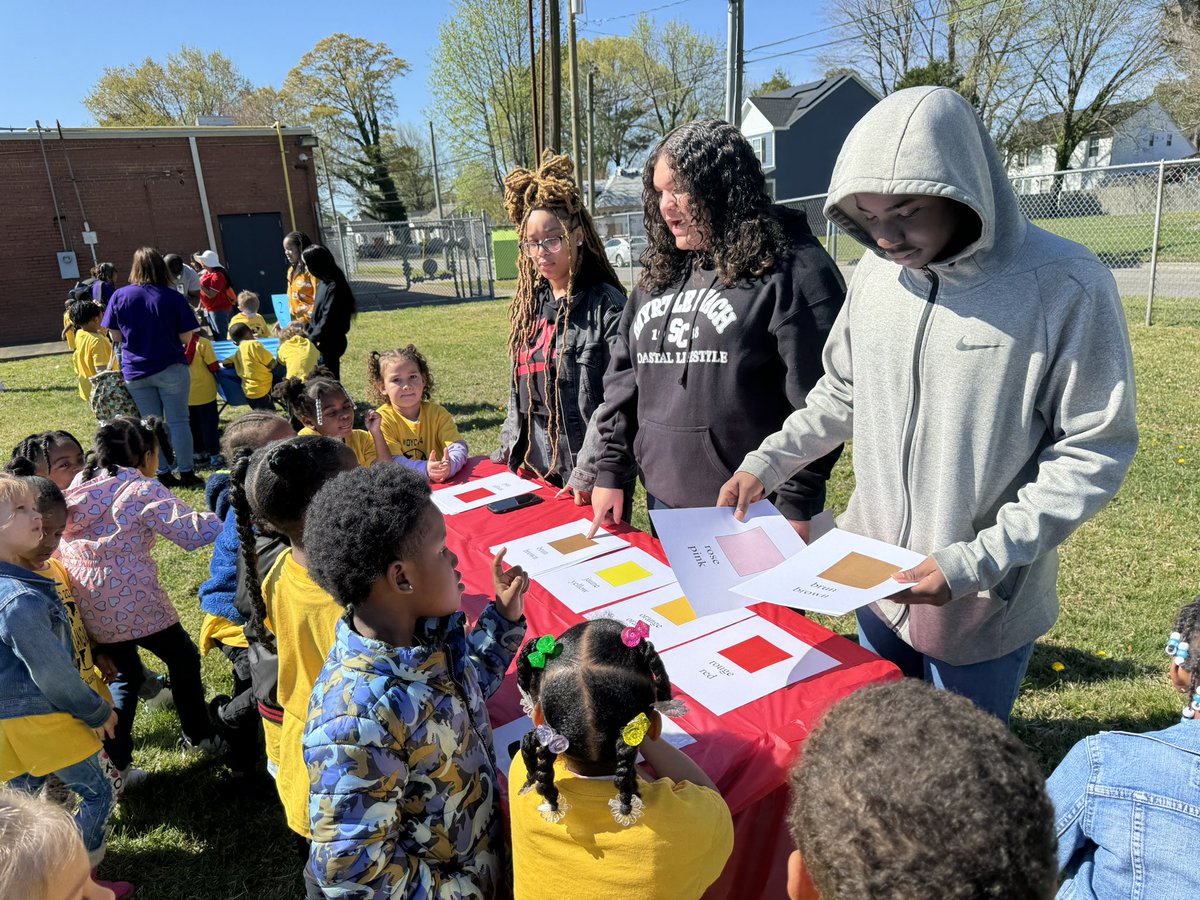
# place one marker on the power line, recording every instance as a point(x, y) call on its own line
point(637, 13)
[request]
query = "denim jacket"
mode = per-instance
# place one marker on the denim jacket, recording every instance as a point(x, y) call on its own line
point(583, 359)
point(38, 672)
point(1128, 815)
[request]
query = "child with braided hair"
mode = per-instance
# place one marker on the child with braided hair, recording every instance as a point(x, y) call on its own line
point(324, 407)
point(404, 800)
point(56, 455)
point(420, 434)
point(1128, 805)
point(596, 695)
point(562, 327)
point(291, 616)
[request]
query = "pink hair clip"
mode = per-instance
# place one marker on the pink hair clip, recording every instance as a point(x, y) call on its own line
point(635, 634)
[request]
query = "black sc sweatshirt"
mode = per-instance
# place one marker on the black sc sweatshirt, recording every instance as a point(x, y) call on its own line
point(701, 374)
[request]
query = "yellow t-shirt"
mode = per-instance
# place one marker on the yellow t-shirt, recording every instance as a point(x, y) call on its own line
point(204, 382)
point(252, 362)
point(43, 744)
point(255, 323)
point(303, 618)
point(68, 330)
point(673, 852)
point(219, 630)
point(299, 355)
point(302, 290)
point(91, 676)
point(431, 434)
point(93, 353)
point(357, 440)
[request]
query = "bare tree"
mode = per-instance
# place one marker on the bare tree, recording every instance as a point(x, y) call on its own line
point(1099, 51)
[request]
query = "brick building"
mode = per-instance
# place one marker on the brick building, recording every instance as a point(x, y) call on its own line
point(177, 189)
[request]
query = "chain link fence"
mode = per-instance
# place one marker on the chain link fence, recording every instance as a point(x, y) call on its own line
point(392, 264)
point(624, 237)
point(1142, 221)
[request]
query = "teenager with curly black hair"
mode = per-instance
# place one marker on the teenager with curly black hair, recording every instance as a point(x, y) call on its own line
point(404, 794)
point(596, 695)
point(722, 338)
point(1129, 804)
point(905, 791)
point(562, 326)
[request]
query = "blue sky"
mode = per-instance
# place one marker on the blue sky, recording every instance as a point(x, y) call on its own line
point(47, 68)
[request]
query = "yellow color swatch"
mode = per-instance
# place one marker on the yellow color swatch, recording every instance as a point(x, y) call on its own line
point(624, 574)
point(677, 612)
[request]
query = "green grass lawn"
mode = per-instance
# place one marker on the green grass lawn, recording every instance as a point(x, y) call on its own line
point(193, 831)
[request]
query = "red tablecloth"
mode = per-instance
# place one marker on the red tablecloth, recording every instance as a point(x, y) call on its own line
point(747, 752)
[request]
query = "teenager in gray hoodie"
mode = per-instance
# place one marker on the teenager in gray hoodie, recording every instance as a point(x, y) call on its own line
point(982, 368)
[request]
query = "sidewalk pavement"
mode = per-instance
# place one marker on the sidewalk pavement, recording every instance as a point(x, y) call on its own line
point(28, 351)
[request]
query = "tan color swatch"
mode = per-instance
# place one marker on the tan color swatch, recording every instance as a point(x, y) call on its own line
point(859, 571)
point(571, 544)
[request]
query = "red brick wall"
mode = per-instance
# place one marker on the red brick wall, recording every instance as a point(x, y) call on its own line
point(137, 190)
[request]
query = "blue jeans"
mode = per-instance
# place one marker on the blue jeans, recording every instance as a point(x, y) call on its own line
point(219, 323)
point(991, 685)
point(91, 782)
point(175, 647)
point(165, 394)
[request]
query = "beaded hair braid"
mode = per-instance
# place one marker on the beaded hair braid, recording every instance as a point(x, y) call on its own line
point(37, 447)
point(589, 692)
point(550, 187)
point(1188, 629)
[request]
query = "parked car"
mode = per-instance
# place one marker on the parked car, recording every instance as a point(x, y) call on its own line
point(622, 250)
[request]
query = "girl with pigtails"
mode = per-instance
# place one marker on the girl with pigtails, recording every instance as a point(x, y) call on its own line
point(1128, 805)
point(563, 324)
point(290, 615)
point(598, 826)
point(324, 407)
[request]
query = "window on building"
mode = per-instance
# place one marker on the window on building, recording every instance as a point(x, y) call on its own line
point(1152, 140)
point(1093, 150)
point(760, 148)
point(771, 188)
point(1169, 139)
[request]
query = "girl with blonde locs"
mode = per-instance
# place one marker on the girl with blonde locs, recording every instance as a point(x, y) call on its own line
point(562, 323)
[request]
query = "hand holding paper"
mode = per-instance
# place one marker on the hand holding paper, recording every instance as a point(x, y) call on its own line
point(740, 491)
point(929, 586)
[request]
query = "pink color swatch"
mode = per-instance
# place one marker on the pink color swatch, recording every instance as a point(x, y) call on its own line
point(750, 552)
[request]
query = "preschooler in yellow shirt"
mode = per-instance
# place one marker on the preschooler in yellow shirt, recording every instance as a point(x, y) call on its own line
point(93, 350)
point(254, 364)
point(247, 313)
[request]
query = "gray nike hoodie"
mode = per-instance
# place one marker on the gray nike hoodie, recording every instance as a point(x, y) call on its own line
point(990, 396)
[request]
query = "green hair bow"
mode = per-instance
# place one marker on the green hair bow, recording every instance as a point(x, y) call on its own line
point(545, 649)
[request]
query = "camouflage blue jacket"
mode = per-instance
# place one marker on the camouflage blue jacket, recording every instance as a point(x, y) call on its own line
point(399, 751)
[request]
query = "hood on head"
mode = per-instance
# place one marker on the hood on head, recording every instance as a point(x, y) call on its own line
point(928, 140)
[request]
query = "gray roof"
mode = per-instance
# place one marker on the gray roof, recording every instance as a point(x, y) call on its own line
point(783, 108)
point(622, 190)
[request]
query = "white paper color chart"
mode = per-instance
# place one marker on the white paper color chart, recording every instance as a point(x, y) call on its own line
point(606, 579)
point(558, 547)
point(741, 663)
point(463, 497)
point(671, 617)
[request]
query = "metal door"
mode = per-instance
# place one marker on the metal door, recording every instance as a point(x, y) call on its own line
point(253, 245)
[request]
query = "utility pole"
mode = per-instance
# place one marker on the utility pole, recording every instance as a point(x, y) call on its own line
point(437, 184)
point(591, 143)
point(739, 64)
point(733, 63)
point(554, 21)
point(574, 63)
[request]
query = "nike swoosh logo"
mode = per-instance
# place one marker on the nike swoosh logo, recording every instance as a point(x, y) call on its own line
point(963, 345)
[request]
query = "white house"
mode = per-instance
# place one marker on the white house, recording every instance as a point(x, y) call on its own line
point(1131, 133)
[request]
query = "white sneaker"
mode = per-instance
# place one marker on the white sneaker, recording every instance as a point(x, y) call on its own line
point(131, 777)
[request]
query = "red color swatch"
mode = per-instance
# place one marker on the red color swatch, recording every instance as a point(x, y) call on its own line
point(477, 494)
point(754, 653)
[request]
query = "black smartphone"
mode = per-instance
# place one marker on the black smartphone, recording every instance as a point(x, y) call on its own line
point(519, 502)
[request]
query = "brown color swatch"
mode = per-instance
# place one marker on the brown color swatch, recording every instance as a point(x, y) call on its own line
point(859, 571)
point(571, 544)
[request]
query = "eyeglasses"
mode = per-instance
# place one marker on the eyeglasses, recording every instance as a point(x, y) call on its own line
point(548, 245)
